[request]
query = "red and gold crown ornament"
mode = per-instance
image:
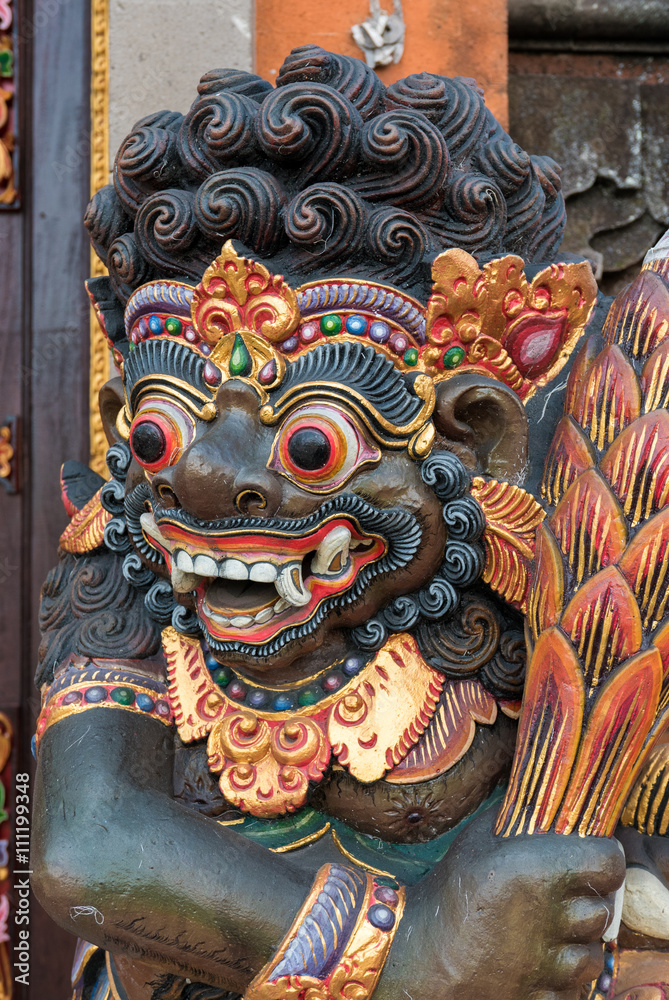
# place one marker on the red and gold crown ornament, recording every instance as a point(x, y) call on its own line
point(248, 322)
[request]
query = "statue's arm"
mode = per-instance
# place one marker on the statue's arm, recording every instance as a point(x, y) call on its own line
point(117, 861)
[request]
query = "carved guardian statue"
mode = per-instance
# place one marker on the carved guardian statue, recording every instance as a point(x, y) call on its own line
point(352, 666)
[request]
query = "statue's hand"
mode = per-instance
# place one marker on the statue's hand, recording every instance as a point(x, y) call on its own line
point(506, 919)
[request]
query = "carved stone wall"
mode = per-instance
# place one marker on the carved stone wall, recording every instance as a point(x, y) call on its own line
point(595, 96)
point(158, 50)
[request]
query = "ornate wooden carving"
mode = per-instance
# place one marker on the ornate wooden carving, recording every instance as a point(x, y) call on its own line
point(290, 633)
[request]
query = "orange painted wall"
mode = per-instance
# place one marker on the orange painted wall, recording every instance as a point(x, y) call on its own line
point(451, 37)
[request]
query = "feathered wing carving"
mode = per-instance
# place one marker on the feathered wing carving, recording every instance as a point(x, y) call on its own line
point(597, 688)
point(511, 517)
point(647, 807)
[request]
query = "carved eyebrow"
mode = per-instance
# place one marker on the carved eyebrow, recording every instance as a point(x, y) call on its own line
point(169, 367)
point(360, 376)
point(358, 367)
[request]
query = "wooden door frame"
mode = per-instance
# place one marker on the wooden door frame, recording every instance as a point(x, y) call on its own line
point(44, 368)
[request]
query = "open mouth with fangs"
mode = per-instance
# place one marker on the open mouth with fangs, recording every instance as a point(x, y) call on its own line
point(251, 585)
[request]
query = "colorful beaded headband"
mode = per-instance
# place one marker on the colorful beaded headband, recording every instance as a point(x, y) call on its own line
point(493, 320)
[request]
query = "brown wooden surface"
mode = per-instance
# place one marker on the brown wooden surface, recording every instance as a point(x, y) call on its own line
point(43, 369)
point(11, 327)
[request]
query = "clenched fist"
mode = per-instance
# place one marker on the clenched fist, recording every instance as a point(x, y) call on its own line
point(506, 919)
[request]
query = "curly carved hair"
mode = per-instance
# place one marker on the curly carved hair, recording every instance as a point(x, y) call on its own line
point(328, 169)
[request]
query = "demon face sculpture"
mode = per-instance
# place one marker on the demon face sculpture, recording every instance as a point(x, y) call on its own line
point(292, 481)
point(296, 607)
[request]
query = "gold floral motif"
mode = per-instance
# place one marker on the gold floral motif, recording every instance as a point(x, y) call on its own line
point(487, 312)
point(236, 294)
point(260, 351)
point(8, 192)
point(268, 762)
point(267, 759)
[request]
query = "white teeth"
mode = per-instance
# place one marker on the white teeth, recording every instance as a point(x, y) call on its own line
point(184, 561)
point(182, 582)
point(336, 543)
point(220, 619)
point(205, 566)
point(263, 573)
point(229, 569)
point(290, 585)
point(280, 606)
point(233, 569)
point(239, 621)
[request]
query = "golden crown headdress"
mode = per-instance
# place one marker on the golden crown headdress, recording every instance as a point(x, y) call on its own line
point(491, 319)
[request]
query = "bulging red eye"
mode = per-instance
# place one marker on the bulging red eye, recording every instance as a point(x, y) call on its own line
point(320, 446)
point(312, 449)
point(160, 433)
point(148, 442)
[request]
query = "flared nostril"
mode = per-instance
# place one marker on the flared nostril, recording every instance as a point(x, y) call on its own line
point(250, 501)
point(168, 497)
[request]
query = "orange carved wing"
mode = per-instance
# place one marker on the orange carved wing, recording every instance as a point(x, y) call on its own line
point(597, 603)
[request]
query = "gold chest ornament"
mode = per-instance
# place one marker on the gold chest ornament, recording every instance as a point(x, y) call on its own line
point(267, 759)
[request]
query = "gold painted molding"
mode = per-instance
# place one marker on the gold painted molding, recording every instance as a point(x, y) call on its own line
point(99, 353)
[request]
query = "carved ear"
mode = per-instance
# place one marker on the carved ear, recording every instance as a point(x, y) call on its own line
point(488, 421)
point(111, 401)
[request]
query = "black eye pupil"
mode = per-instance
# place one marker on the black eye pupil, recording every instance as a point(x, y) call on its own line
point(148, 442)
point(309, 449)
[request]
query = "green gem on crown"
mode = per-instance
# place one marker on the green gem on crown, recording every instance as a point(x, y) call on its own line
point(123, 696)
point(453, 357)
point(173, 326)
point(331, 324)
point(411, 356)
point(241, 362)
